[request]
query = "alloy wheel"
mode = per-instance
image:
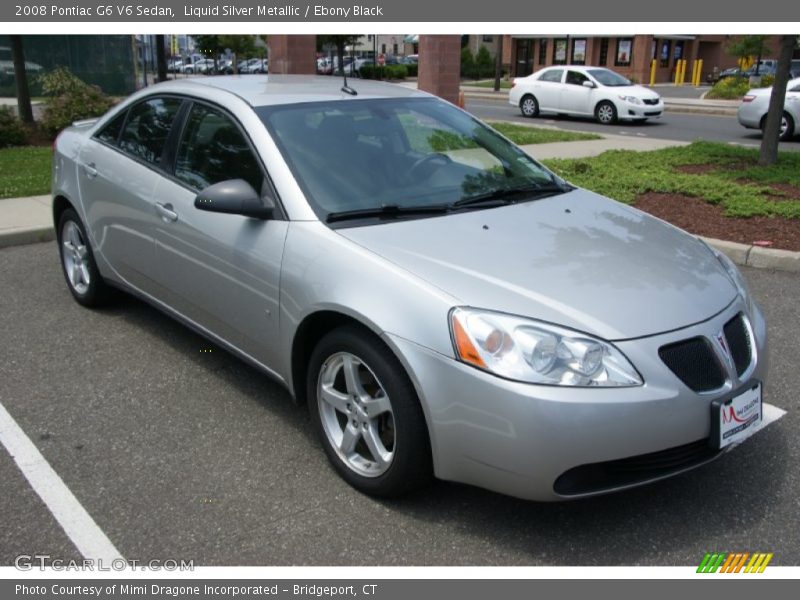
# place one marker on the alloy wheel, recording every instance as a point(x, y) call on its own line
point(74, 255)
point(356, 414)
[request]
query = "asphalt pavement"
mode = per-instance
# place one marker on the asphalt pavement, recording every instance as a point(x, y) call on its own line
point(177, 450)
point(671, 126)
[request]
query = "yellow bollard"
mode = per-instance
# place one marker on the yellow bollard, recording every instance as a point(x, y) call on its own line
point(700, 72)
point(683, 71)
point(653, 71)
point(694, 71)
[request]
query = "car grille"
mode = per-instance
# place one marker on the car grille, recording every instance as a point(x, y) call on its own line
point(694, 363)
point(650, 101)
point(597, 477)
point(738, 340)
point(653, 113)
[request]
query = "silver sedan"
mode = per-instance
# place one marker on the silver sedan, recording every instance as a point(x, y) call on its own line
point(753, 110)
point(444, 304)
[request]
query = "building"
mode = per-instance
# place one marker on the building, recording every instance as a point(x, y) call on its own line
point(630, 56)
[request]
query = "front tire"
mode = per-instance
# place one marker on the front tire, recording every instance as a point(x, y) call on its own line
point(606, 113)
point(529, 106)
point(78, 264)
point(367, 414)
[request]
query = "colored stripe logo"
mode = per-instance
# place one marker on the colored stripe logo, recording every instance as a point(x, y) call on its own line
point(734, 562)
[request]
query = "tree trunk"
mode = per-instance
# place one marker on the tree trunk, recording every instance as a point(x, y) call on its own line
point(498, 63)
point(21, 79)
point(161, 58)
point(769, 141)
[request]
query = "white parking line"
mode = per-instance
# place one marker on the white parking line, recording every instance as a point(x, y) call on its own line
point(78, 524)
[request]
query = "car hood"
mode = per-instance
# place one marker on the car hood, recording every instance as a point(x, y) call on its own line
point(635, 90)
point(576, 259)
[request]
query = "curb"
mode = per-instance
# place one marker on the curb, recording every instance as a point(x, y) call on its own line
point(755, 256)
point(30, 235)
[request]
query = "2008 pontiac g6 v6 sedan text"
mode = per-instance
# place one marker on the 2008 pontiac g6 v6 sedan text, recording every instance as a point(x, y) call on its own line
point(445, 304)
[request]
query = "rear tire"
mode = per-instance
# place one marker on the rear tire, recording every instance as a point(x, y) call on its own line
point(367, 414)
point(606, 113)
point(77, 262)
point(529, 106)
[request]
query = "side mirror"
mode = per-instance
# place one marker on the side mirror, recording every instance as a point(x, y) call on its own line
point(589, 84)
point(235, 197)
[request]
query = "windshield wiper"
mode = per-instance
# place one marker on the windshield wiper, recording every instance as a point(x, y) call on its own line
point(387, 211)
point(514, 194)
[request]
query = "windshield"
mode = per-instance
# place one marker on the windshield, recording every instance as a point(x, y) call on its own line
point(608, 78)
point(358, 155)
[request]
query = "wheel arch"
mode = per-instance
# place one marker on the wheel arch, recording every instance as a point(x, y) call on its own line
point(60, 204)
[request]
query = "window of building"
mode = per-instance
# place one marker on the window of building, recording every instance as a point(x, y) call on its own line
point(488, 38)
point(624, 49)
point(552, 75)
point(603, 61)
point(383, 48)
point(578, 52)
point(664, 54)
point(213, 149)
point(542, 51)
point(110, 133)
point(677, 50)
point(147, 128)
point(394, 49)
point(560, 52)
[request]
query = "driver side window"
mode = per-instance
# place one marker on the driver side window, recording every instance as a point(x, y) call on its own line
point(214, 149)
point(576, 78)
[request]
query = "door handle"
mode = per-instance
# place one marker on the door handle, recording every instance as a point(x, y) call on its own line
point(91, 171)
point(165, 211)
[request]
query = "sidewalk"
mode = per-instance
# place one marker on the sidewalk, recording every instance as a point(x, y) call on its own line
point(25, 221)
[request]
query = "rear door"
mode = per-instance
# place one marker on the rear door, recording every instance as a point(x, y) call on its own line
point(119, 169)
point(221, 271)
point(548, 89)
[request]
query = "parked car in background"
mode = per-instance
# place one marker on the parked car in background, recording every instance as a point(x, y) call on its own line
point(203, 66)
point(360, 62)
point(584, 91)
point(7, 64)
point(449, 308)
point(753, 110)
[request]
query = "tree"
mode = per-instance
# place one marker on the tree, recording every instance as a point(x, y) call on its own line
point(498, 63)
point(210, 45)
point(21, 79)
point(483, 62)
point(239, 45)
point(747, 47)
point(768, 155)
point(339, 41)
point(161, 58)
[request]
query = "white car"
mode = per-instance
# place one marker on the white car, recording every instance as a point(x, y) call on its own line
point(755, 104)
point(204, 66)
point(584, 91)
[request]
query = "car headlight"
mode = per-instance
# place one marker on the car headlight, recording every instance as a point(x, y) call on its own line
point(534, 352)
point(631, 99)
point(736, 278)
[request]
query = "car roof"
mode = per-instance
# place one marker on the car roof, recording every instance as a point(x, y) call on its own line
point(267, 90)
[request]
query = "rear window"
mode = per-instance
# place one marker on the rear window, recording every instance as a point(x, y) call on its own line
point(553, 75)
point(110, 133)
point(148, 127)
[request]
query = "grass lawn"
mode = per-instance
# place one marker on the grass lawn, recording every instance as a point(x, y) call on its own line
point(488, 83)
point(25, 171)
point(716, 173)
point(524, 134)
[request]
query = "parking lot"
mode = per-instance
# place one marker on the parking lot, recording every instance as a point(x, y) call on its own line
point(180, 451)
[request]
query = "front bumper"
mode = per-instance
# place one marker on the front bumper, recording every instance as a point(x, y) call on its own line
point(628, 110)
point(518, 439)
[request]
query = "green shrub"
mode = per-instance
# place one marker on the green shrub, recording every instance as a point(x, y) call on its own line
point(367, 71)
point(395, 72)
point(484, 64)
point(468, 66)
point(12, 132)
point(413, 70)
point(730, 88)
point(70, 99)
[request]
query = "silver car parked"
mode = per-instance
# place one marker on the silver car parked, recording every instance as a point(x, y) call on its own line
point(753, 110)
point(444, 304)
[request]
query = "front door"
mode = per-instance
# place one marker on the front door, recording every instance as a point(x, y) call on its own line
point(221, 271)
